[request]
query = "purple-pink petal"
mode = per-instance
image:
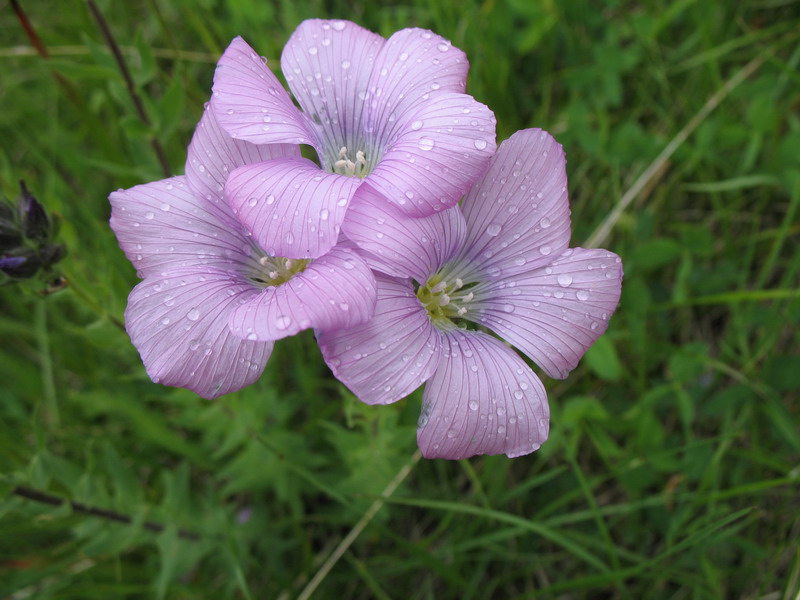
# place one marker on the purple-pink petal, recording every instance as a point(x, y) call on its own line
point(482, 399)
point(213, 154)
point(289, 206)
point(554, 313)
point(398, 244)
point(412, 66)
point(334, 291)
point(444, 147)
point(179, 324)
point(388, 357)
point(162, 225)
point(518, 213)
point(327, 65)
point(251, 104)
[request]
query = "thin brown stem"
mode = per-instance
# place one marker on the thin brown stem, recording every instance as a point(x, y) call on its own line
point(129, 83)
point(79, 507)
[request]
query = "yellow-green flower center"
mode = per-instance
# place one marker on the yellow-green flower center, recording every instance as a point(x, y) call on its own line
point(275, 270)
point(444, 299)
point(351, 168)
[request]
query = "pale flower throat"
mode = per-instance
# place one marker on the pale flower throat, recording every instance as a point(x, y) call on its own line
point(445, 300)
point(345, 166)
point(275, 270)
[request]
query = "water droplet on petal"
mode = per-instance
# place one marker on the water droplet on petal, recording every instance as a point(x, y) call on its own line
point(564, 280)
point(509, 308)
point(473, 405)
point(425, 144)
point(545, 223)
point(193, 314)
point(494, 229)
point(282, 322)
point(582, 295)
point(148, 215)
point(416, 125)
point(480, 144)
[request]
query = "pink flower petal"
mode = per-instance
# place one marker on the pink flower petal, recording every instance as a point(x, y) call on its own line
point(162, 225)
point(554, 313)
point(213, 154)
point(412, 66)
point(398, 244)
point(327, 65)
point(251, 104)
point(290, 207)
point(179, 324)
point(483, 399)
point(443, 148)
point(518, 214)
point(388, 357)
point(335, 290)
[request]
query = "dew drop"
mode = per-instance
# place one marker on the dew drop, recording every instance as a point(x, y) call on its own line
point(582, 295)
point(282, 322)
point(480, 144)
point(416, 125)
point(545, 223)
point(252, 201)
point(324, 214)
point(338, 25)
point(345, 64)
point(473, 405)
point(425, 144)
point(545, 250)
point(193, 314)
point(194, 344)
point(165, 321)
point(270, 199)
point(494, 229)
point(148, 215)
point(509, 308)
point(564, 280)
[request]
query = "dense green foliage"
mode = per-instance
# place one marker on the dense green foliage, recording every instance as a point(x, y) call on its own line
point(672, 468)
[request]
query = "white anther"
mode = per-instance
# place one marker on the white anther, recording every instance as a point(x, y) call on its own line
point(439, 287)
point(273, 274)
point(340, 165)
point(462, 311)
point(342, 152)
point(288, 263)
point(459, 284)
point(263, 261)
point(360, 158)
point(444, 300)
point(468, 297)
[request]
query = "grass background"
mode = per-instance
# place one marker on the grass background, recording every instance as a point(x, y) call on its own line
point(672, 468)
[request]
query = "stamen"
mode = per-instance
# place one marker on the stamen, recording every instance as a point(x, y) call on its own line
point(342, 152)
point(462, 311)
point(288, 263)
point(468, 297)
point(263, 260)
point(444, 300)
point(273, 274)
point(439, 287)
point(459, 283)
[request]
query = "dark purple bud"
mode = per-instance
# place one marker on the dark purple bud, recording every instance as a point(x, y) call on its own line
point(22, 265)
point(35, 222)
point(6, 212)
point(52, 253)
point(10, 236)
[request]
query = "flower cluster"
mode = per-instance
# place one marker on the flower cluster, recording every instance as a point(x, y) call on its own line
point(370, 247)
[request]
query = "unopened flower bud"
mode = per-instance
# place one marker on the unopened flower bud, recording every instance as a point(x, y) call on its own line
point(35, 223)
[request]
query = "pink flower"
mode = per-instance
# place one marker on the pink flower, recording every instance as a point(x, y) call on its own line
point(503, 264)
point(387, 117)
point(213, 301)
